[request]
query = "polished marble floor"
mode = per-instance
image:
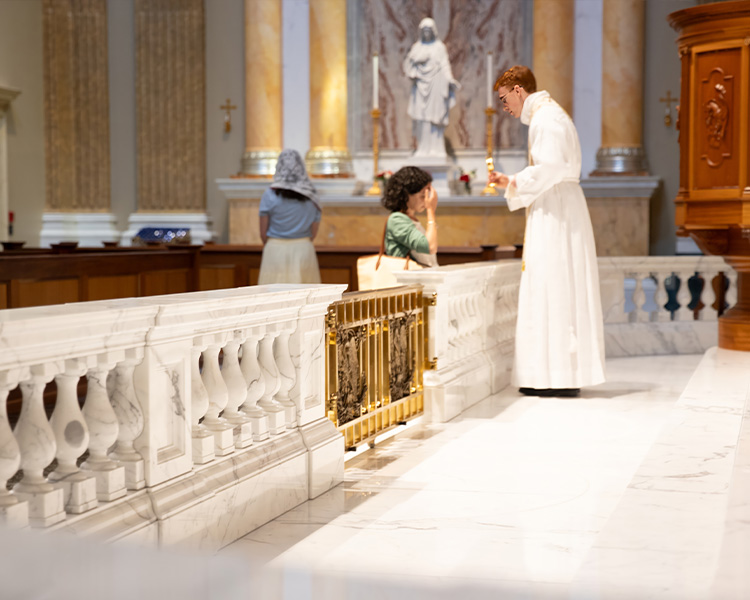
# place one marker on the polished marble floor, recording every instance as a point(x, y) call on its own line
point(622, 493)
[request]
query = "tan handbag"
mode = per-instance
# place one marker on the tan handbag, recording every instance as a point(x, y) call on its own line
point(375, 271)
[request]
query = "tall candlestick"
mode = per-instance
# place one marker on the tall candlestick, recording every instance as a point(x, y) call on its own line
point(375, 81)
point(489, 79)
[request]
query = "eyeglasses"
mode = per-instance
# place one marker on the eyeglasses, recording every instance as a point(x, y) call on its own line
point(505, 102)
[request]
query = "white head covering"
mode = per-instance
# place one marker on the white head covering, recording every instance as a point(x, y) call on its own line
point(291, 175)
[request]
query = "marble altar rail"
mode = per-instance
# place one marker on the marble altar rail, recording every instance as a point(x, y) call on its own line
point(204, 415)
point(664, 304)
point(472, 319)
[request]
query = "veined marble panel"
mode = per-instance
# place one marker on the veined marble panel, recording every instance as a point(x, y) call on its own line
point(469, 29)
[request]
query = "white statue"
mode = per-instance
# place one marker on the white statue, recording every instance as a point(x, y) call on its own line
point(433, 91)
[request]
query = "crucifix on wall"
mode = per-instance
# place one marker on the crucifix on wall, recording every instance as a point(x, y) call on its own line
point(668, 111)
point(228, 107)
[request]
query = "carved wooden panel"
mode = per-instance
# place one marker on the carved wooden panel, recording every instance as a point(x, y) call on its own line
point(716, 110)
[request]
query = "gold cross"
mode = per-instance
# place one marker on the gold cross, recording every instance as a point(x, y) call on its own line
point(669, 99)
point(668, 111)
point(228, 117)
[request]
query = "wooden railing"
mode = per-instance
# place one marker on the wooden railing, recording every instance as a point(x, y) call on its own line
point(376, 357)
point(36, 277)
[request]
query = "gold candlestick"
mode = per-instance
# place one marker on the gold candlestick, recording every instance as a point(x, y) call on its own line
point(489, 189)
point(375, 189)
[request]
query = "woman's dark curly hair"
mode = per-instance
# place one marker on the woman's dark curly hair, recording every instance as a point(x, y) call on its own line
point(405, 181)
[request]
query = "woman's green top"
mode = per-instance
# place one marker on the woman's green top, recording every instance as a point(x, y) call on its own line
point(402, 235)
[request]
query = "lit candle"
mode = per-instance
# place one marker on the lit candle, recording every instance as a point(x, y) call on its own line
point(489, 79)
point(374, 80)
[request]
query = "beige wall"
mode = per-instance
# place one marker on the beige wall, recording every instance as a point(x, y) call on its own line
point(225, 78)
point(21, 68)
point(122, 109)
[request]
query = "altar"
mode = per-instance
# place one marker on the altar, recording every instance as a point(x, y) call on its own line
point(619, 208)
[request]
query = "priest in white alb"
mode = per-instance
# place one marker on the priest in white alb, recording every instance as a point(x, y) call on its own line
point(559, 333)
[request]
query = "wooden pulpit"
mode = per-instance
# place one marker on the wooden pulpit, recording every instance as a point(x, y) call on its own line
point(713, 202)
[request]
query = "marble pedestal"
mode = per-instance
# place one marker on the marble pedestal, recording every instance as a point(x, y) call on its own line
point(88, 229)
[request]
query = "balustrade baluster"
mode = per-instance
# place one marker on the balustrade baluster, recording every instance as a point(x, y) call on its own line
point(130, 421)
point(717, 282)
point(37, 443)
point(72, 437)
point(12, 512)
point(684, 313)
point(731, 295)
point(203, 439)
point(255, 387)
point(272, 383)
point(660, 298)
point(639, 299)
point(287, 376)
point(236, 395)
point(218, 396)
point(104, 429)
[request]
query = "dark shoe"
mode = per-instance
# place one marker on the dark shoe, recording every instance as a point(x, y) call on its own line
point(532, 391)
point(551, 392)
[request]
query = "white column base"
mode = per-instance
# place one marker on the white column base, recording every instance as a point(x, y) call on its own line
point(45, 508)
point(223, 434)
point(198, 223)
point(14, 515)
point(243, 435)
point(259, 421)
point(88, 229)
point(276, 420)
point(203, 447)
point(135, 477)
point(290, 414)
point(79, 491)
point(110, 483)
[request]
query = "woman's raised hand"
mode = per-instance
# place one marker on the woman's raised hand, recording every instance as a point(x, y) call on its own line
point(431, 199)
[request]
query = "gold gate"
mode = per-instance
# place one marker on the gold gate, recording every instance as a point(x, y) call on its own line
point(375, 360)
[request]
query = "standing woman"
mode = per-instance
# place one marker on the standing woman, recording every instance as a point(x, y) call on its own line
point(289, 220)
point(409, 192)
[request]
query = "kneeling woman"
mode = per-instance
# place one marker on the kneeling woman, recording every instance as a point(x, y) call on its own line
point(408, 193)
point(289, 220)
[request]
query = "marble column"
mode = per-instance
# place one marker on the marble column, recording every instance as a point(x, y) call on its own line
point(621, 152)
point(554, 24)
point(6, 96)
point(76, 118)
point(329, 153)
point(170, 117)
point(262, 87)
